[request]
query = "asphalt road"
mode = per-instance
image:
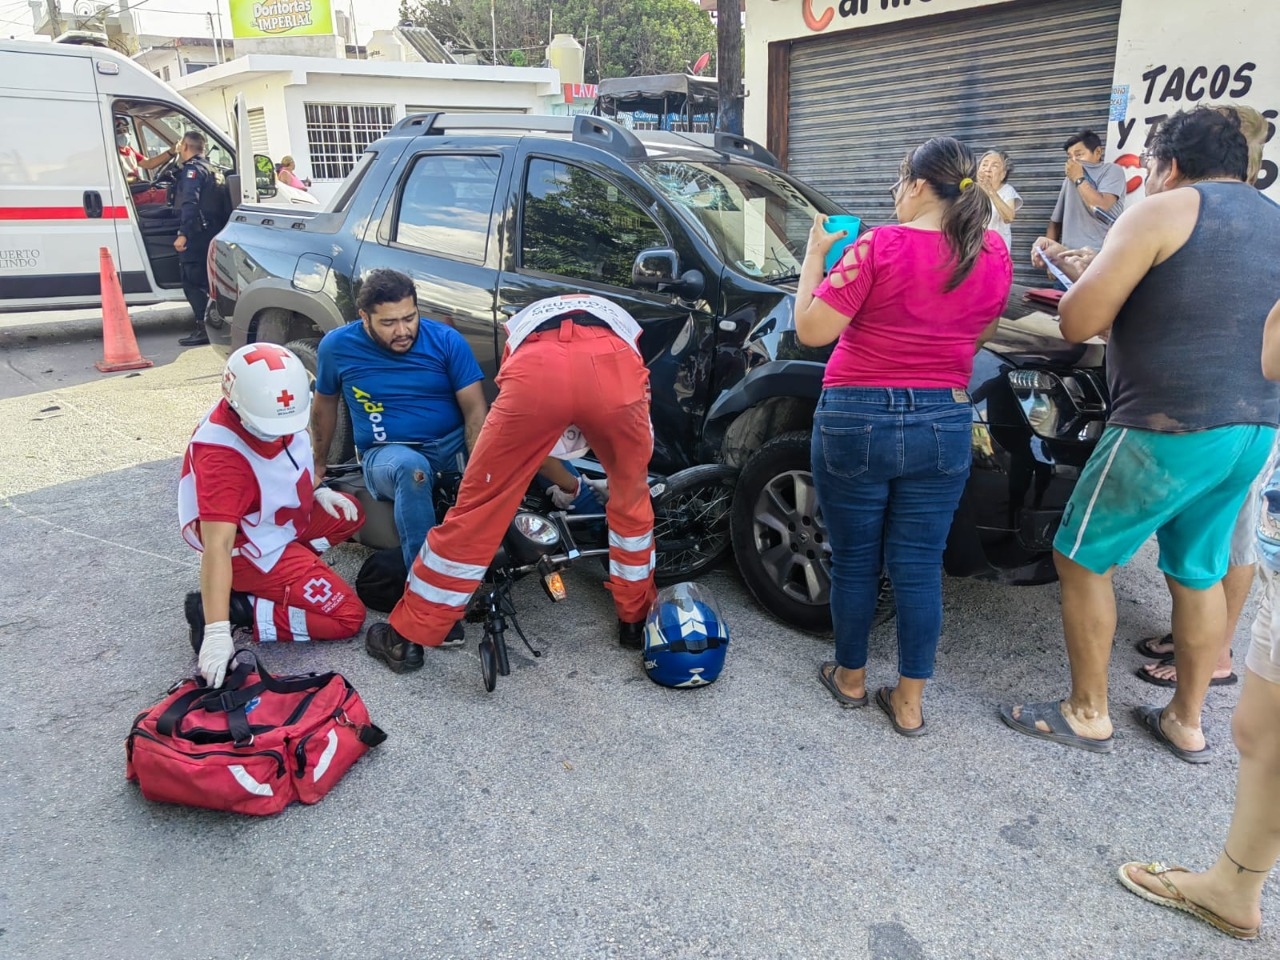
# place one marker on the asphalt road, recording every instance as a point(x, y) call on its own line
point(579, 811)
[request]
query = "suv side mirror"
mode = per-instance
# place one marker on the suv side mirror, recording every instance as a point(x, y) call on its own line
point(659, 269)
point(264, 176)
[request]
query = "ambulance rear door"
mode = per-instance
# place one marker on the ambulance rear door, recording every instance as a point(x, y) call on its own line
point(58, 194)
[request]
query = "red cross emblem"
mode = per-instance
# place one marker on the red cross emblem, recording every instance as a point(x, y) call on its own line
point(273, 356)
point(285, 398)
point(317, 590)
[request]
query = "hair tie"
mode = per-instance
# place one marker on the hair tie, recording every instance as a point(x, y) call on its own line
point(965, 184)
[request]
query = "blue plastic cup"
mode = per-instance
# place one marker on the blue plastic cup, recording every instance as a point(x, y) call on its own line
point(835, 224)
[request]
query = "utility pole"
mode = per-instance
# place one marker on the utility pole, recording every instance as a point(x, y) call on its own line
point(55, 19)
point(729, 65)
point(493, 22)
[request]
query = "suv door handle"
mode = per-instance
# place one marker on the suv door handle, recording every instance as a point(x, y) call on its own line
point(93, 204)
point(510, 310)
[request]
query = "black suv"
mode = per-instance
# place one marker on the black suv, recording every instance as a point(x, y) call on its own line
point(700, 238)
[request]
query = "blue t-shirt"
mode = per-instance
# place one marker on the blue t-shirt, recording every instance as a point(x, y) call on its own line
point(397, 397)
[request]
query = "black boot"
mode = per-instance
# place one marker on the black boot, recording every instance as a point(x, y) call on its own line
point(196, 339)
point(631, 635)
point(456, 636)
point(241, 614)
point(395, 651)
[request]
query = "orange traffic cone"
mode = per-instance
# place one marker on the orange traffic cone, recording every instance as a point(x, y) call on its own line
point(119, 346)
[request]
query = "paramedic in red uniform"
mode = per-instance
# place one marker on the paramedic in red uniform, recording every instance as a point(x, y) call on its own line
point(248, 502)
point(571, 378)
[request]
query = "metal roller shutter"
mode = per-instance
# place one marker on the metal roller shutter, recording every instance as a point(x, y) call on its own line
point(1020, 77)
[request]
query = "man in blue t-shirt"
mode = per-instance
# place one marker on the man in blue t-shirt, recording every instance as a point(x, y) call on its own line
point(414, 392)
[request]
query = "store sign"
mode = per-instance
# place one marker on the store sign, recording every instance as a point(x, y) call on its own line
point(280, 18)
point(818, 14)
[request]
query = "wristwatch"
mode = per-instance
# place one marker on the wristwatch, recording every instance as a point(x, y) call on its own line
point(1079, 180)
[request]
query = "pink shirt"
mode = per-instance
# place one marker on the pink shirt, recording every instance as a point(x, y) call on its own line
point(907, 331)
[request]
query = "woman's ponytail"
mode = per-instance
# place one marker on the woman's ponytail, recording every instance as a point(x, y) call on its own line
point(948, 166)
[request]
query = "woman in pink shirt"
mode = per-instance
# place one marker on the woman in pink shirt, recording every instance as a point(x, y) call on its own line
point(909, 304)
point(286, 175)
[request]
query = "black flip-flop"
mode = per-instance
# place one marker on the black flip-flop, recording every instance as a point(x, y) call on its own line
point(1050, 711)
point(827, 674)
point(1144, 646)
point(1142, 674)
point(1150, 716)
point(882, 699)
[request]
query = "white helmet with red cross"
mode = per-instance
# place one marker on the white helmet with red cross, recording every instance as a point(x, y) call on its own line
point(268, 387)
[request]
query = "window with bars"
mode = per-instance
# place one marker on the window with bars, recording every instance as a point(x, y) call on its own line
point(337, 134)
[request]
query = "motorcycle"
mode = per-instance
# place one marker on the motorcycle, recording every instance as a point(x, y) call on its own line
point(691, 535)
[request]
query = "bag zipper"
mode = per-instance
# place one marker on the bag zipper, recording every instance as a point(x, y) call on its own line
point(274, 754)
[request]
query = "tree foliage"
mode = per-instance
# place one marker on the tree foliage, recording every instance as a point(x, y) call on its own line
point(621, 38)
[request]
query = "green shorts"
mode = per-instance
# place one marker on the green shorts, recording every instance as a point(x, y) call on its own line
point(1186, 488)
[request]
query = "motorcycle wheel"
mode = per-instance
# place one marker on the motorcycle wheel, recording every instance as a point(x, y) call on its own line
point(488, 665)
point(691, 528)
point(500, 654)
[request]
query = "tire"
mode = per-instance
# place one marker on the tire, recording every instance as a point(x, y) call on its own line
point(780, 540)
point(488, 664)
point(691, 522)
point(342, 448)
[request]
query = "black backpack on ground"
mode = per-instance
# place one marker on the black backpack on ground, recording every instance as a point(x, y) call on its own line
point(380, 582)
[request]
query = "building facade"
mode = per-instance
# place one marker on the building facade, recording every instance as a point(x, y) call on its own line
point(842, 89)
point(324, 112)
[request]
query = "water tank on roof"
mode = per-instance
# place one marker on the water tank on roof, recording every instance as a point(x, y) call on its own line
point(566, 55)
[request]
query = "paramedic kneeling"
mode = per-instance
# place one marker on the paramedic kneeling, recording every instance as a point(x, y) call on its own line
point(587, 347)
point(248, 501)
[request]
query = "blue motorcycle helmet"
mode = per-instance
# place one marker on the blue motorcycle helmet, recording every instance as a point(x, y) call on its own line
point(685, 638)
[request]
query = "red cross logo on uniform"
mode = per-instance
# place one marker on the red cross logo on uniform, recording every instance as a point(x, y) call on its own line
point(285, 398)
point(273, 356)
point(317, 590)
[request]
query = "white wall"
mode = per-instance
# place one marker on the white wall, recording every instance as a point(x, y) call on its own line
point(1173, 54)
point(283, 96)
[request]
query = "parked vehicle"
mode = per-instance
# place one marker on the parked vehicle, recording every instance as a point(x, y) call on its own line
point(64, 192)
point(701, 239)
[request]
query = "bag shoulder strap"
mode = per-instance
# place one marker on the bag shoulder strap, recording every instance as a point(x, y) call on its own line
point(235, 695)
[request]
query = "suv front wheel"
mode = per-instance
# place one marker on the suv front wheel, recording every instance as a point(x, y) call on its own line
point(778, 534)
point(780, 539)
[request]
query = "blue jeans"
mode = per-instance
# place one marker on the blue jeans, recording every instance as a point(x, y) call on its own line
point(889, 465)
point(406, 474)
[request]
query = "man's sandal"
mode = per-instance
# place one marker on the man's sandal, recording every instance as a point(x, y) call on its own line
point(1177, 901)
point(1146, 646)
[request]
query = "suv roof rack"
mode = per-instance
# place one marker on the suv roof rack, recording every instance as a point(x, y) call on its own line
point(725, 144)
point(737, 146)
point(595, 131)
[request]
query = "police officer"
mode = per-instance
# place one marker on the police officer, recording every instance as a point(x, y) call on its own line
point(197, 180)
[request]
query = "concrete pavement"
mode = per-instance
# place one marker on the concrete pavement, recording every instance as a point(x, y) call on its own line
point(579, 811)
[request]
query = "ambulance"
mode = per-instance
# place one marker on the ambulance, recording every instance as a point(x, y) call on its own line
point(69, 187)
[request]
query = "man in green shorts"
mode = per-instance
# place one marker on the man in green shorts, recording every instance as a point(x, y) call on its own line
point(1184, 283)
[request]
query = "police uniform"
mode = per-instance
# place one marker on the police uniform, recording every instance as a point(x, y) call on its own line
point(196, 180)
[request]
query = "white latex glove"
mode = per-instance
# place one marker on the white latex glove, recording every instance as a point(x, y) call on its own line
point(216, 652)
point(563, 499)
point(599, 487)
point(333, 503)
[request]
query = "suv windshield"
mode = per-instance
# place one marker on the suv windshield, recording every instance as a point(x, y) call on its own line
point(755, 217)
